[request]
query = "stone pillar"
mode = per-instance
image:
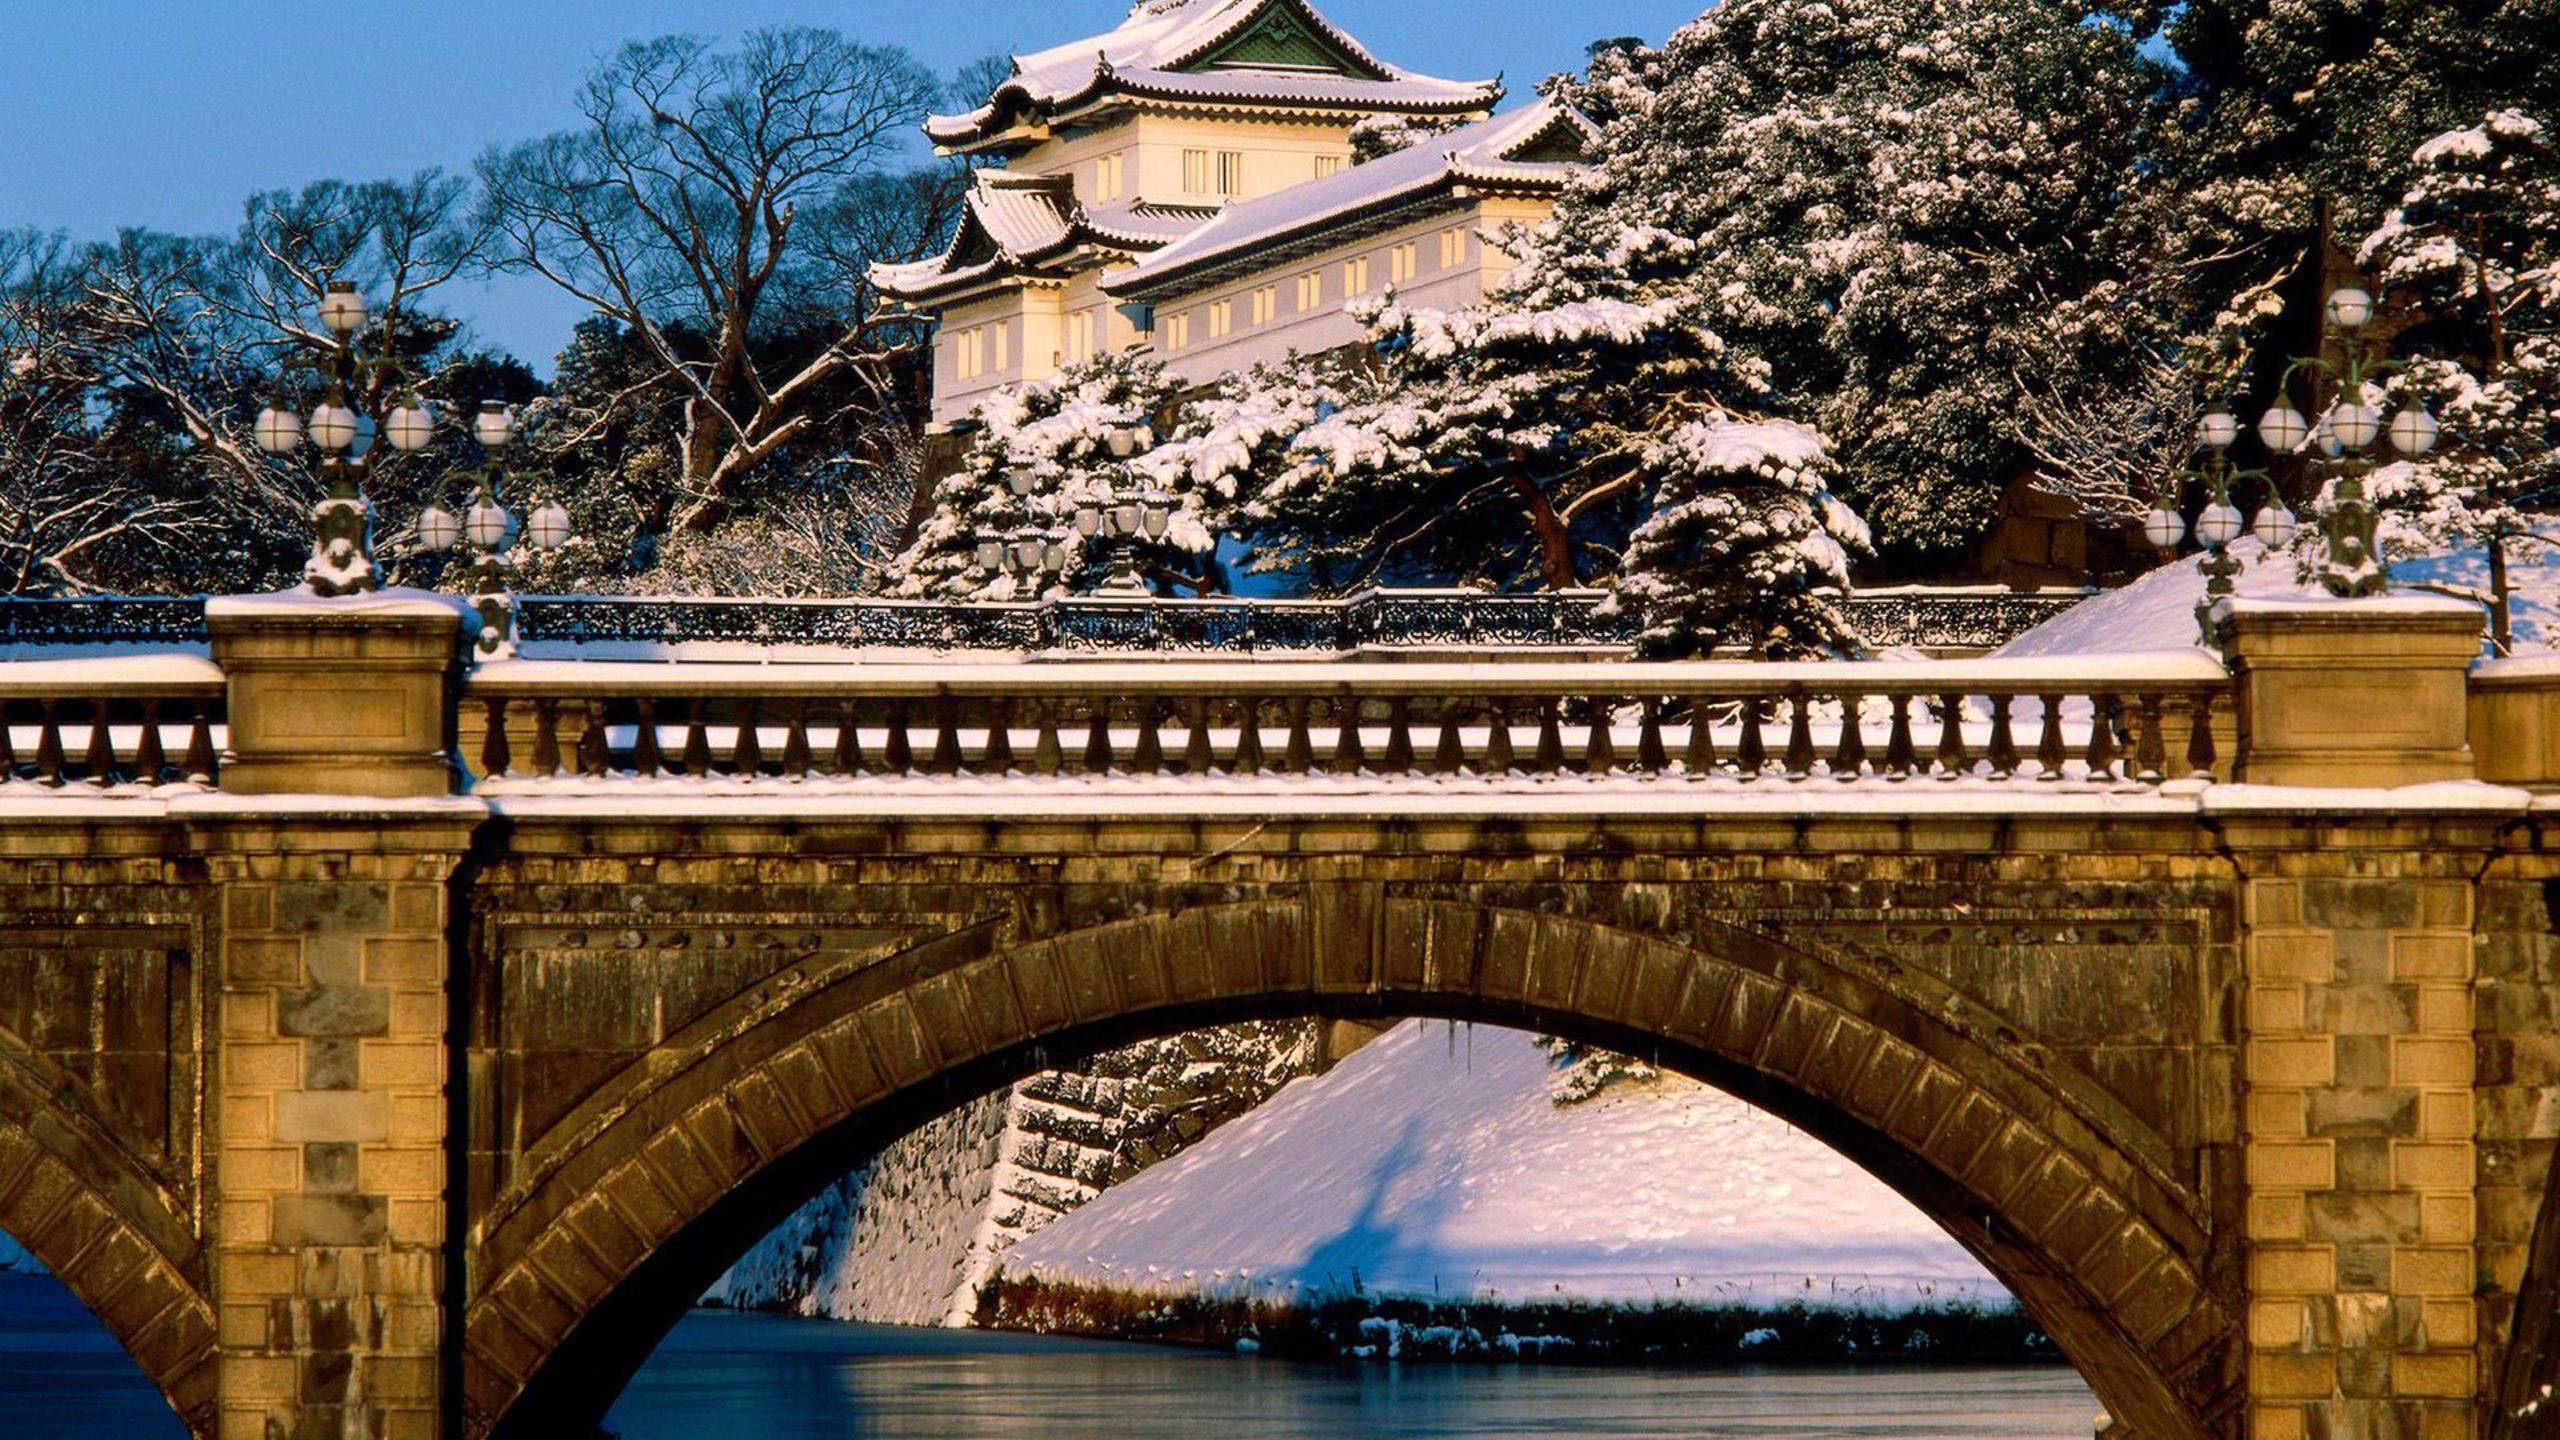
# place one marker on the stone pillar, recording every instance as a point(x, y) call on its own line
point(2353, 693)
point(329, 1163)
point(351, 696)
point(2358, 1126)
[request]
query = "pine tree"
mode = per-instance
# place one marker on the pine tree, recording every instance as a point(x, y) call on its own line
point(1056, 437)
point(1885, 202)
point(2474, 250)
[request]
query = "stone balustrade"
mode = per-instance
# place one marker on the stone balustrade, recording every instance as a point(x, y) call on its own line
point(146, 720)
point(2138, 721)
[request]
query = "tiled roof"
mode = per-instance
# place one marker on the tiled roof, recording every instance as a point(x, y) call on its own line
point(1244, 232)
point(1021, 222)
point(1159, 51)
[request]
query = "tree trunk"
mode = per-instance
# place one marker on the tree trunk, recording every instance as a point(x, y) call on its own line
point(2502, 637)
point(1555, 545)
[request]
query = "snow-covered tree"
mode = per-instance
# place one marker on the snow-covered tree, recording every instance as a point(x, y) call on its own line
point(1586, 1072)
point(1886, 202)
point(2474, 249)
point(1582, 424)
point(1054, 440)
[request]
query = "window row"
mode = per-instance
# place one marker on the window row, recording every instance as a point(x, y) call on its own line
point(1404, 262)
point(970, 349)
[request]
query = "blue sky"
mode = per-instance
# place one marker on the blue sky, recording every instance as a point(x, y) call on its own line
point(166, 113)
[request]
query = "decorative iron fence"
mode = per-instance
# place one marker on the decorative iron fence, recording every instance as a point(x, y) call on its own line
point(1370, 620)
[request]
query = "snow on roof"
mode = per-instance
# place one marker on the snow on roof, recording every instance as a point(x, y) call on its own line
point(1481, 153)
point(1025, 221)
point(1166, 48)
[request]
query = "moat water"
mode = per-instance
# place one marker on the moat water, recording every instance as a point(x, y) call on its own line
point(755, 1377)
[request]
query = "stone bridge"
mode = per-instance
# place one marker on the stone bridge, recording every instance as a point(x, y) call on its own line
point(2209, 1000)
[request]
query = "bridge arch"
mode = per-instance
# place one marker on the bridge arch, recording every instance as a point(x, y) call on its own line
point(109, 1230)
point(594, 1249)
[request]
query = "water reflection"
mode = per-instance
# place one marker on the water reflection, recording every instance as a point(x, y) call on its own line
point(750, 1377)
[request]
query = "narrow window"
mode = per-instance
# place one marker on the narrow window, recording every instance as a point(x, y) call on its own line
point(1328, 165)
point(1401, 262)
point(1195, 172)
point(1004, 344)
point(1230, 172)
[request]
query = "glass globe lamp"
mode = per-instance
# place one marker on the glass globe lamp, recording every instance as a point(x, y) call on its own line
point(494, 426)
point(333, 426)
point(2218, 429)
point(2275, 526)
point(2219, 525)
point(277, 430)
point(411, 426)
point(489, 526)
point(437, 529)
point(2283, 429)
point(2163, 528)
point(548, 526)
point(342, 308)
point(2414, 432)
point(2350, 308)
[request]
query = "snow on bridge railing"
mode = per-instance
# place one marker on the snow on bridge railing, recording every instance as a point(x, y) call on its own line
point(2135, 720)
point(107, 721)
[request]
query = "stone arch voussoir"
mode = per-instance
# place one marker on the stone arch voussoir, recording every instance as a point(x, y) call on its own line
point(110, 1233)
point(2112, 1263)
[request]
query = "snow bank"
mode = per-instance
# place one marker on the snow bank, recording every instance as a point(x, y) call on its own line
point(2158, 611)
point(1434, 1161)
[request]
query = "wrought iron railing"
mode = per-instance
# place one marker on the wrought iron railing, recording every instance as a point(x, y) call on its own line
point(2134, 721)
point(103, 620)
point(1369, 620)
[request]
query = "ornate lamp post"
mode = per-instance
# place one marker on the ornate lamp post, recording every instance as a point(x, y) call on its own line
point(341, 542)
point(2354, 564)
point(2220, 522)
point(490, 529)
point(1118, 518)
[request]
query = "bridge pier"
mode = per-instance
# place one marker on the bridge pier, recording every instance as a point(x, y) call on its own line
point(328, 1117)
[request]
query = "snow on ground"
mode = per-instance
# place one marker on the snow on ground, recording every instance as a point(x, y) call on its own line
point(1434, 1160)
point(2158, 611)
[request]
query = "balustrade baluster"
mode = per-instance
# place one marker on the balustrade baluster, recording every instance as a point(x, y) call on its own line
point(746, 758)
point(1901, 757)
point(795, 741)
point(2151, 748)
point(1248, 758)
point(1449, 752)
point(2200, 755)
point(98, 766)
point(946, 736)
point(1148, 757)
point(200, 762)
point(1799, 735)
point(645, 758)
point(898, 748)
point(1599, 747)
point(595, 747)
point(1097, 737)
point(847, 763)
point(1550, 754)
point(1698, 757)
point(2102, 736)
point(2004, 741)
point(1048, 753)
point(1849, 757)
point(998, 759)
point(1300, 755)
point(494, 754)
point(1499, 757)
point(697, 738)
point(150, 757)
point(546, 738)
point(1650, 756)
point(1399, 757)
point(1751, 753)
point(2049, 746)
point(1350, 756)
point(1198, 756)
point(1952, 759)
